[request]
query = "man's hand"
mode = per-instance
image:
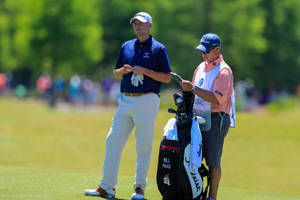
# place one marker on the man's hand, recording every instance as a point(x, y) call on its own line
point(204, 94)
point(119, 73)
point(127, 69)
point(186, 85)
point(163, 77)
point(139, 70)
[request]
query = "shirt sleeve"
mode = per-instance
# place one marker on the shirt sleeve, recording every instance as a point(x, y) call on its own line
point(163, 61)
point(120, 59)
point(223, 86)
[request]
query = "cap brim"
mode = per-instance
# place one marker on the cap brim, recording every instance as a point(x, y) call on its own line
point(142, 19)
point(201, 48)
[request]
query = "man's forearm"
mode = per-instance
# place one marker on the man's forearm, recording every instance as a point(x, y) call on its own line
point(206, 95)
point(158, 76)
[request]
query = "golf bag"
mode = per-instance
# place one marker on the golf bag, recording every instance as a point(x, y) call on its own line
point(174, 179)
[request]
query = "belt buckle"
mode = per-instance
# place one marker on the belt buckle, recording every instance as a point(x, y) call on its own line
point(129, 94)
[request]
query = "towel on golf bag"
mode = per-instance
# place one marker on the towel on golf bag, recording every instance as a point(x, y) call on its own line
point(170, 132)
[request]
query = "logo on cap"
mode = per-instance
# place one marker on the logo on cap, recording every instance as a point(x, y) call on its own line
point(142, 16)
point(203, 40)
point(208, 41)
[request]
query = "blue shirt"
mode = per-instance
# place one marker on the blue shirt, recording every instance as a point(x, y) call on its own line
point(150, 54)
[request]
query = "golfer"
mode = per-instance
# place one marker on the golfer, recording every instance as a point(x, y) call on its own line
point(142, 64)
point(214, 100)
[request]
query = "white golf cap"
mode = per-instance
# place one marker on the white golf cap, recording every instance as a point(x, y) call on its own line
point(142, 16)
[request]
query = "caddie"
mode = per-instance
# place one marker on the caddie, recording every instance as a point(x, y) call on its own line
point(214, 100)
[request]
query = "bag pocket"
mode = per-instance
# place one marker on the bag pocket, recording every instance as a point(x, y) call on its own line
point(168, 161)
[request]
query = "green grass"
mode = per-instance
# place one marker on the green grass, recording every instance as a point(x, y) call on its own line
point(27, 184)
point(57, 154)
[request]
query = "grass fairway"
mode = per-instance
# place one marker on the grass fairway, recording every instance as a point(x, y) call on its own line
point(57, 154)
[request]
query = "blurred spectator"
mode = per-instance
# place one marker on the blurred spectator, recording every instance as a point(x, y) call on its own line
point(2, 82)
point(20, 91)
point(106, 86)
point(115, 91)
point(269, 95)
point(58, 85)
point(241, 98)
point(89, 91)
point(45, 89)
point(44, 83)
point(95, 93)
point(247, 96)
point(252, 96)
point(74, 89)
point(9, 82)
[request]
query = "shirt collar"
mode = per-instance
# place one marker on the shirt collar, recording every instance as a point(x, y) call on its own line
point(147, 42)
point(210, 66)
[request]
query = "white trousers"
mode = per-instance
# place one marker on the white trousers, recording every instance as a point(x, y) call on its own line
point(140, 112)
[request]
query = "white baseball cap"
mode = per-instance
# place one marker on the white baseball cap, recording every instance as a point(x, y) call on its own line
point(142, 16)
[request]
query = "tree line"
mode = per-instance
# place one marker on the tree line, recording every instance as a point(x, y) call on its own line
point(260, 38)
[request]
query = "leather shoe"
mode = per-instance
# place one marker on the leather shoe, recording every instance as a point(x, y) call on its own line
point(101, 192)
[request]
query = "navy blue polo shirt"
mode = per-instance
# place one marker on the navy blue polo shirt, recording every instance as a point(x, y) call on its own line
point(150, 54)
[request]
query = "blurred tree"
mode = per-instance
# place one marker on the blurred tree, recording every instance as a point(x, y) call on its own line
point(179, 27)
point(260, 38)
point(7, 56)
point(114, 17)
point(56, 37)
point(241, 25)
point(282, 64)
point(68, 37)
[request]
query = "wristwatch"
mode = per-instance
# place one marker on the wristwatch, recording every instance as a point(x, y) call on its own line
point(193, 88)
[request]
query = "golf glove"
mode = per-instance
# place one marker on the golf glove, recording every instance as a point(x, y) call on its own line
point(136, 80)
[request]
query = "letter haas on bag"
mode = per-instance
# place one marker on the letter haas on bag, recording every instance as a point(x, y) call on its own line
point(166, 163)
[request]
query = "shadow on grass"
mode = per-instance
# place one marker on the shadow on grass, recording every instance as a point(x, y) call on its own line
point(117, 198)
point(112, 198)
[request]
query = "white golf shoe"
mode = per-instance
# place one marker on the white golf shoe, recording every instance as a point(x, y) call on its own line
point(100, 192)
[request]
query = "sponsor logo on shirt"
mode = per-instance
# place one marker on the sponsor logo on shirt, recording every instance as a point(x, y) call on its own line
point(201, 82)
point(146, 55)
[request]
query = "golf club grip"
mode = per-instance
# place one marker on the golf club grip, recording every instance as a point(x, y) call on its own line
point(176, 77)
